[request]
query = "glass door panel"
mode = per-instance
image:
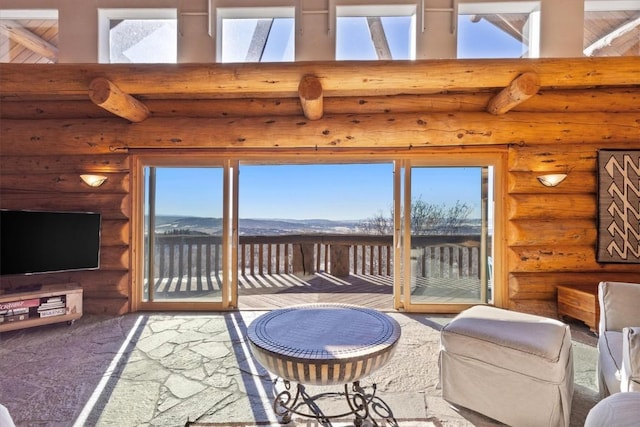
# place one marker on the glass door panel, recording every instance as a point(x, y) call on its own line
point(183, 234)
point(449, 218)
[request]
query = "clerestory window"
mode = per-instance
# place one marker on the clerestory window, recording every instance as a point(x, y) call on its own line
point(138, 36)
point(375, 32)
point(612, 28)
point(264, 34)
point(499, 30)
point(29, 36)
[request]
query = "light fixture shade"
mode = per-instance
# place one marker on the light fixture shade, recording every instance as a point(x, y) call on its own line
point(93, 180)
point(551, 180)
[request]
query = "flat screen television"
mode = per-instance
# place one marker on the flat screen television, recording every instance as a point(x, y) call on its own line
point(43, 242)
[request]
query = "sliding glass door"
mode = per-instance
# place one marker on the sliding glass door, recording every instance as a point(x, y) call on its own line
point(186, 222)
point(434, 246)
point(448, 221)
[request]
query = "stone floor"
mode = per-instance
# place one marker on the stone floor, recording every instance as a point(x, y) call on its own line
point(171, 369)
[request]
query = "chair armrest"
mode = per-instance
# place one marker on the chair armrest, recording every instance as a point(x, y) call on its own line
point(630, 370)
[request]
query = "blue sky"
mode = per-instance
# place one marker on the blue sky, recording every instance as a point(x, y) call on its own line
point(348, 192)
point(339, 192)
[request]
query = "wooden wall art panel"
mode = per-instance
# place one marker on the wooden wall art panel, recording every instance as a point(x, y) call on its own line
point(618, 206)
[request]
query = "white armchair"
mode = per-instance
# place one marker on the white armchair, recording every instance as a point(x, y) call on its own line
point(619, 337)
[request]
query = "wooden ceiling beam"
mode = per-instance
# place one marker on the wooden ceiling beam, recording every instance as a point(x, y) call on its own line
point(379, 131)
point(379, 38)
point(519, 90)
point(352, 78)
point(29, 40)
point(107, 95)
point(610, 43)
point(611, 100)
point(310, 92)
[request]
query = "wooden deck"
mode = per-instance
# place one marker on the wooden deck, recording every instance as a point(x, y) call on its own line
point(368, 291)
point(270, 291)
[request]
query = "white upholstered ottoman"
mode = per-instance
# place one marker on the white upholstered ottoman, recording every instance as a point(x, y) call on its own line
point(513, 367)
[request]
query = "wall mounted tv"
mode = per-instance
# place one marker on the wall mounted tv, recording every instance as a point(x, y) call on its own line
point(44, 242)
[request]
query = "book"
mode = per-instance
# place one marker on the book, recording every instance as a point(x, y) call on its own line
point(53, 312)
point(48, 306)
point(14, 317)
point(11, 305)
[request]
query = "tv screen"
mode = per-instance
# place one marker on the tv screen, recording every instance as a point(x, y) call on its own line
point(41, 242)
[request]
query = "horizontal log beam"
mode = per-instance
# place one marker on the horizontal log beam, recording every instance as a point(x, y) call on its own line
point(552, 232)
point(406, 131)
point(576, 182)
point(549, 101)
point(342, 78)
point(561, 206)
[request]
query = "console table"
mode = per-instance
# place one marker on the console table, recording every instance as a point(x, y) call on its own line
point(323, 344)
point(580, 302)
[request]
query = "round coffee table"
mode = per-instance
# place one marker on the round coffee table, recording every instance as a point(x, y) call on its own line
point(323, 344)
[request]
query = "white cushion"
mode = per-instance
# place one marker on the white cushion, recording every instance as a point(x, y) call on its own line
point(630, 369)
point(619, 410)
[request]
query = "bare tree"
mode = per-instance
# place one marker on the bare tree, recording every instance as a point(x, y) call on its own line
point(426, 218)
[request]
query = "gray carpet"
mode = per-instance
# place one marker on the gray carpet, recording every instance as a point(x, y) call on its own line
point(167, 370)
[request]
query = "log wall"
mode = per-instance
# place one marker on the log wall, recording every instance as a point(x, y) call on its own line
point(52, 182)
point(50, 133)
point(551, 231)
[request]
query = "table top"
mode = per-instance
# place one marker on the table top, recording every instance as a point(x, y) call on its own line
point(324, 332)
point(589, 289)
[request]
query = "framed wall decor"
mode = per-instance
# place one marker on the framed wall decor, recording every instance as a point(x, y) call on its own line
point(618, 206)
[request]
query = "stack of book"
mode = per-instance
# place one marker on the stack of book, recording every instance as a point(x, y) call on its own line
point(52, 306)
point(17, 310)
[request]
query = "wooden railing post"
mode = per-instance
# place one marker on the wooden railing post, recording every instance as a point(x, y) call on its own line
point(303, 259)
point(339, 260)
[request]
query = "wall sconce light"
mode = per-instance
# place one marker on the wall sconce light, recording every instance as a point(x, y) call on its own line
point(93, 180)
point(551, 180)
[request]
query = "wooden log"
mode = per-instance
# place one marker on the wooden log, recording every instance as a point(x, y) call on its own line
point(610, 100)
point(114, 258)
point(527, 182)
point(541, 285)
point(558, 206)
point(310, 93)
point(115, 232)
point(63, 183)
point(551, 232)
point(519, 90)
point(540, 259)
point(536, 158)
point(544, 308)
point(112, 206)
point(107, 95)
point(338, 78)
point(28, 39)
point(110, 306)
point(112, 163)
point(407, 131)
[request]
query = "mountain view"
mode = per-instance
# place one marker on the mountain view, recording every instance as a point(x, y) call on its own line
point(274, 227)
point(254, 227)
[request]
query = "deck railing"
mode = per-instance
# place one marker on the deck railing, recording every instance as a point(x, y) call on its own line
point(450, 256)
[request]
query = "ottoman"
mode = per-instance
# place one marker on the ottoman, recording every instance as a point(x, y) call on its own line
point(513, 367)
